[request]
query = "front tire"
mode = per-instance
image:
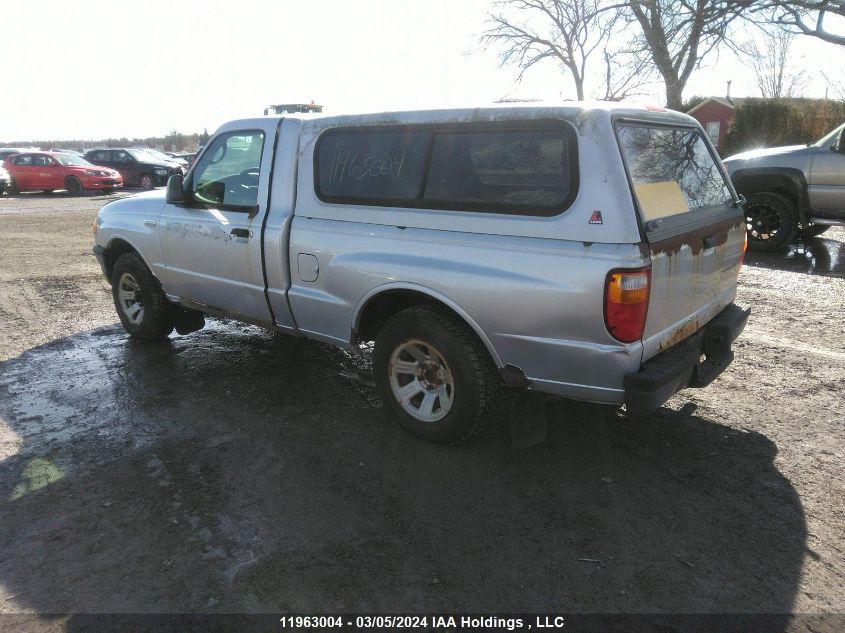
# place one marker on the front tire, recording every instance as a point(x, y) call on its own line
point(146, 181)
point(771, 220)
point(434, 375)
point(140, 303)
point(73, 186)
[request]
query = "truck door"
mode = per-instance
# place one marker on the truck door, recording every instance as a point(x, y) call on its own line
point(827, 178)
point(212, 243)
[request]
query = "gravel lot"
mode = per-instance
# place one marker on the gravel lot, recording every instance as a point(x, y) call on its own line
point(236, 470)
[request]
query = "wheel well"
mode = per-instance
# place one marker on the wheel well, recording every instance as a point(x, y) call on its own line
point(380, 308)
point(116, 249)
point(790, 186)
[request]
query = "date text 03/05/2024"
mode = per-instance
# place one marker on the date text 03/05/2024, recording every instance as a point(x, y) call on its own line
point(423, 621)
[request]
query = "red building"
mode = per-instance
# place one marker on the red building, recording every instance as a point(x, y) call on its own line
point(715, 115)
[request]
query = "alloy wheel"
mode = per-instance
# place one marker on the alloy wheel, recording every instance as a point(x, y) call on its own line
point(421, 380)
point(131, 299)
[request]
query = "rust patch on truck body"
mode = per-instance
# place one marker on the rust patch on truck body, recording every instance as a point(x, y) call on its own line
point(691, 278)
point(695, 238)
point(682, 333)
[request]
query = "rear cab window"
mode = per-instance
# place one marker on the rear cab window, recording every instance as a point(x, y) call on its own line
point(525, 168)
point(676, 179)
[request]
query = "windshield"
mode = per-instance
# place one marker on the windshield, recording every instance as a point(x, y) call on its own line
point(144, 156)
point(827, 138)
point(158, 154)
point(70, 159)
point(672, 170)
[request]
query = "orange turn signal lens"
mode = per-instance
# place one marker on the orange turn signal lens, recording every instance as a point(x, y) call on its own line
point(626, 303)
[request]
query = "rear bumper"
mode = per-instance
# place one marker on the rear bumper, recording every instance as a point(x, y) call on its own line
point(682, 365)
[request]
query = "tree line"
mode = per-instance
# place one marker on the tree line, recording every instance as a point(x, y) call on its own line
point(175, 141)
point(632, 43)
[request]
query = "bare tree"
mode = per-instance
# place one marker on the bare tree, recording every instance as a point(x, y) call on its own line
point(679, 34)
point(626, 71)
point(569, 32)
point(805, 17)
point(837, 87)
point(776, 75)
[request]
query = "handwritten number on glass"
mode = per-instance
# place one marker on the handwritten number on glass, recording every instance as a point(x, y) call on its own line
point(357, 165)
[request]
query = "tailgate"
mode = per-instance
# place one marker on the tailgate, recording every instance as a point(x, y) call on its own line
point(695, 232)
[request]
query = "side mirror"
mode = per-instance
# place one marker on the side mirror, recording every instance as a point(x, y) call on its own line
point(175, 191)
point(839, 144)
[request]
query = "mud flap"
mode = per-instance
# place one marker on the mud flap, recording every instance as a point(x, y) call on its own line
point(529, 419)
point(187, 321)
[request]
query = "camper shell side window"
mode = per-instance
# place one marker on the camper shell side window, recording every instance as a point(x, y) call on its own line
point(522, 168)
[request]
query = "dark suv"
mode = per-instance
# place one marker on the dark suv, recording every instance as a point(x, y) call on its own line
point(138, 167)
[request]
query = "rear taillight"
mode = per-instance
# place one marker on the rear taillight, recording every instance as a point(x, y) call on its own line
point(626, 303)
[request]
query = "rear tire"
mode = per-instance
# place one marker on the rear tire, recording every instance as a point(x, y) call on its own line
point(140, 303)
point(435, 377)
point(814, 230)
point(13, 188)
point(73, 186)
point(771, 220)
point(146, 181)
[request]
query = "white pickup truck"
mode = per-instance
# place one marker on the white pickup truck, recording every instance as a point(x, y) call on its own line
point(586, 251)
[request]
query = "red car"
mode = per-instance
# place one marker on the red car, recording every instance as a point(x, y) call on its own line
point(47, 171)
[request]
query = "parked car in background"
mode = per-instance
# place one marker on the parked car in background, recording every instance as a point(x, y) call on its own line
point(49, 171)
point(794, 190)
point(170, 158)
point(5, 179)
point(188, 157)
point(5, 152)
point(67, 151)
point(138, 167)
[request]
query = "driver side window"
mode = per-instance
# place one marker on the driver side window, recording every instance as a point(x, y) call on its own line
point(227, 173)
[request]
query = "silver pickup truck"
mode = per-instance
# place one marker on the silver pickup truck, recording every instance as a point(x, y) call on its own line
point(587, 251)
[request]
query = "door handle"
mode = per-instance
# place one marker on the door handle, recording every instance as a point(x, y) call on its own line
point(239, 233)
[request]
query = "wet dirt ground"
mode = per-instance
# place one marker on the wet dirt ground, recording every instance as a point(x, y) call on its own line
point(236, 470)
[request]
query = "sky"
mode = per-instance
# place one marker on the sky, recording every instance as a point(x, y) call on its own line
point(93, 69)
